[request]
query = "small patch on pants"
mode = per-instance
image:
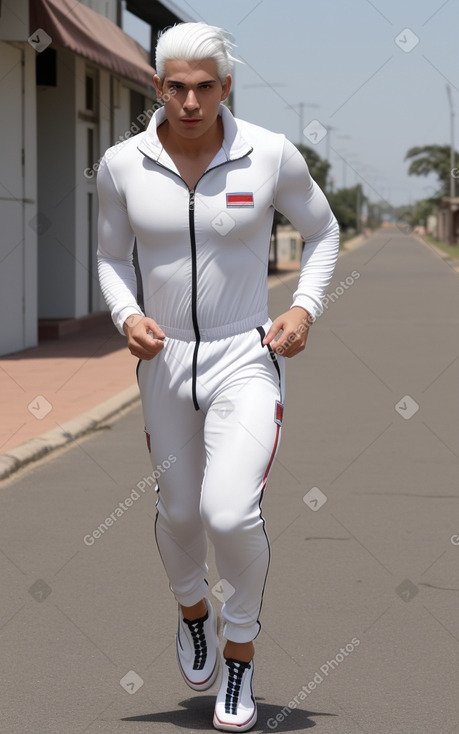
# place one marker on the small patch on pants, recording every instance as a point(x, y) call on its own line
point(278, 412)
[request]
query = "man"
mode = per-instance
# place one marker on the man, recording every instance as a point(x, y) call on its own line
point(197, 191)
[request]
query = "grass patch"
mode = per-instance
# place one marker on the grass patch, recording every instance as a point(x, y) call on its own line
point(450, 250)
point(346, 237)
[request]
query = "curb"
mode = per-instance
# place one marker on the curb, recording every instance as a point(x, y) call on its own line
point(280, 275)
point(353, 243)
point(453, 262)
point(37, 448)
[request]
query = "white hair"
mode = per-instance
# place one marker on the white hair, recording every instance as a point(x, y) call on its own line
point(195, 42)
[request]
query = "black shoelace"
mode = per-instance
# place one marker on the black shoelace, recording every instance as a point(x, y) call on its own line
point(196, 628)
point(236, 671)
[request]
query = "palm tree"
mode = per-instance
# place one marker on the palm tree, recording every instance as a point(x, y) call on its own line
point(432, 159)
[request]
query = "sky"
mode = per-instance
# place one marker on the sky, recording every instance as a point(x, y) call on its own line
point(371, 77)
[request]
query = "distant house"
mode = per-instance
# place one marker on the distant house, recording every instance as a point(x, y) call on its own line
point(448, 221)
point(72, 83)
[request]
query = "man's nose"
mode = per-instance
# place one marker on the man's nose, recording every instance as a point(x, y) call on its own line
point(191, 101)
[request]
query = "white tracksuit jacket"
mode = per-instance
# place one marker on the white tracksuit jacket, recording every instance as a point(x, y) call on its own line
point(204, 254)
point(211, 398)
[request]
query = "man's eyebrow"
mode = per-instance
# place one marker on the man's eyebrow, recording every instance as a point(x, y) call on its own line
point(207, 81)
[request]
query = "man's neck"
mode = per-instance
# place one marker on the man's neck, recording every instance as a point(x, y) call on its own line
point(195, 148)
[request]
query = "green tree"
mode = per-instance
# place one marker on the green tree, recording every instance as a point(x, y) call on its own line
point(432, 159)
point(345, 204)
point(422, 211)
point(318, 167)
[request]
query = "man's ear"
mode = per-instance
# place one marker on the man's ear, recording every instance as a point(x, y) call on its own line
point(226, 87)
point(158, 86)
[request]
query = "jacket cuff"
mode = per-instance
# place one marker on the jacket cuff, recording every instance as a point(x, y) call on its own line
point(309, 304)
point(120, 317)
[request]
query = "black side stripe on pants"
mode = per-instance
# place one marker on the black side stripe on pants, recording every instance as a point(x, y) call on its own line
point(137, 370)
point(272, 353)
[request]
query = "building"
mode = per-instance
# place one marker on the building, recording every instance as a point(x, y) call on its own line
point(72, 83)
point(448, 221)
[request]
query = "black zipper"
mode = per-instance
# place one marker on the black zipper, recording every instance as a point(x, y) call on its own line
point(194, 279)
point(194, 297)
point(194, 265)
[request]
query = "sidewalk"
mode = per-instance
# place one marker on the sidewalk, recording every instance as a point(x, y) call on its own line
point(53, 393)
point(62, 389)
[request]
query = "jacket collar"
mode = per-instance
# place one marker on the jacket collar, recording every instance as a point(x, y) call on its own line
point(234, 145)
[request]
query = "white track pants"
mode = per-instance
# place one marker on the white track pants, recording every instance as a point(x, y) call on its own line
point(224, 452)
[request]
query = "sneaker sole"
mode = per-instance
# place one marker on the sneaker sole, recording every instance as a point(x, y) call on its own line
point(224, 726)
point(208, 683)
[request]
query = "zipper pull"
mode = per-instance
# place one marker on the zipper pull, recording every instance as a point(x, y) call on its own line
point(191, 200)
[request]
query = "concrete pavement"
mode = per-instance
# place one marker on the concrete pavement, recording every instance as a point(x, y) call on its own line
point(360, 626)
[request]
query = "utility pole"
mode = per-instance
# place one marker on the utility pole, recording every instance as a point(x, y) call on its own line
point(301, 106)
point(452, 180)
point(328, 142)
point(358, 209)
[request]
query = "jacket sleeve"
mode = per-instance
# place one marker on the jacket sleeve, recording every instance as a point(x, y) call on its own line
point(301, 200)
point(117, 275)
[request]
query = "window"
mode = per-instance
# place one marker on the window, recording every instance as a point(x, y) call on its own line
point(90, 91)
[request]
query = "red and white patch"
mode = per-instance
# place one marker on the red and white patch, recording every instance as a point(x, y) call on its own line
point(240, 199)
point(278, 413)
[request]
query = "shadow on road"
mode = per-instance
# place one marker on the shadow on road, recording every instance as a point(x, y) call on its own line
point(197, 714)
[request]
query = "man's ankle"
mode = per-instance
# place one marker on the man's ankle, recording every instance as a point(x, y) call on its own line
point(197, 611)
point(242, 651)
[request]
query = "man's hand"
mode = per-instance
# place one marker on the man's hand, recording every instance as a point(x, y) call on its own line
point(295, 327)
point(145, 338)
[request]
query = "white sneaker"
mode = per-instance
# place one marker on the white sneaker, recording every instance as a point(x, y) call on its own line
point(235, 708)
point(197, 649)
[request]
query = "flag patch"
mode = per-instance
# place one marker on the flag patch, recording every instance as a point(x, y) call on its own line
point(240, 199)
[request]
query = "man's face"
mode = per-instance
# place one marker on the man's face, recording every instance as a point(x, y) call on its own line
point(195, 93)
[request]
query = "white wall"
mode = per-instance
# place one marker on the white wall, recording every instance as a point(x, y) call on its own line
point(18, 184)
point(18, 240)
point(12, 253)
point(30, 203)
point(68, 284)
point(87, 292)
point(56, 192)
point(121, 116)
point(44, 250)
point(14, 20)
point(289, 244)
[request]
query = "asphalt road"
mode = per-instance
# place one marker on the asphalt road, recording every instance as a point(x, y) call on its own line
point(360, 618)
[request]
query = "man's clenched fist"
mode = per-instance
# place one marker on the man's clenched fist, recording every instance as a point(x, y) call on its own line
point(144, 337)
